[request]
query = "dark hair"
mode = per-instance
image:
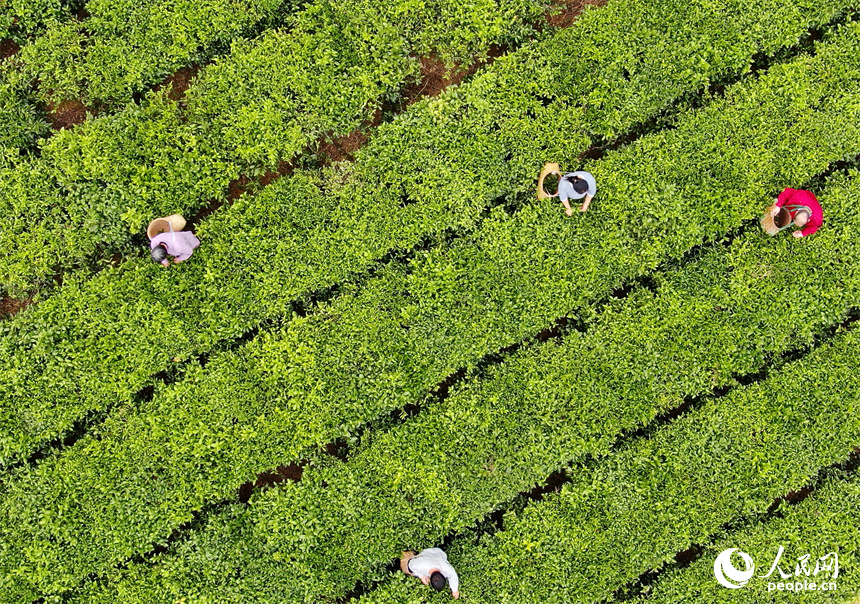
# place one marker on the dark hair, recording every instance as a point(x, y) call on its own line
point(438, 581)
point(158, 253)
point(579, 184)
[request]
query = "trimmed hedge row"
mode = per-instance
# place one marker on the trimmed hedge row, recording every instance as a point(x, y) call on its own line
point(636, 509)
point(265, 102)
point(723, 315)
point(121, 47)
point(118, 171)
point(126, 45)
point(100, 341)
point(827, 521)
point(20, 122)
point(20, 20)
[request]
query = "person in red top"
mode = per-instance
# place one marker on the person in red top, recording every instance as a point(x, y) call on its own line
point(804, 209)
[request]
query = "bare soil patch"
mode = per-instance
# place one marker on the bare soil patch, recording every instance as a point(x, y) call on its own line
point(9, 307)
point(8, 48)
point(570, 10)
point(436, 77)
point(67, 114)
point(339, 148)
point(178, 83)
point(266, 480)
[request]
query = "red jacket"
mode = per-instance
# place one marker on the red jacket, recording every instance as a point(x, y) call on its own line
point(802, 198)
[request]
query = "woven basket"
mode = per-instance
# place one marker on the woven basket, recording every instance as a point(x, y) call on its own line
point(162, 225)
point(772, 225)
point(404, 562)
point(548, 169)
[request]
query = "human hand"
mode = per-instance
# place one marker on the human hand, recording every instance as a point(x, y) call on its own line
point(165, 263)
point(774, 211)
point(425, 580)
point(797, 234)
point(569, 211)
point(583, 208)
point(456, 595)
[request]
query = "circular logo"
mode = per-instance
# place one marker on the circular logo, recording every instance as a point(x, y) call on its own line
point(727, 574)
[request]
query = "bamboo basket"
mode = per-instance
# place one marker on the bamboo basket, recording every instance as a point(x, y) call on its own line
point(772, 225)
point(548, 169)
point(162, 225)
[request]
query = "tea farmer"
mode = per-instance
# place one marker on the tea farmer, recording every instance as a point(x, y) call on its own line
point(433, 568)
point(166, 238)
point(803, 211)
point(573, 185)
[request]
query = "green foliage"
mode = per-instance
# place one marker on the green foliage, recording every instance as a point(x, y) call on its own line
point(21, 20)
point(380, 348)
point(723, 315)
point(20, 122)
point(826, 521)
point(731, 458)
point(266, 111)
point(633, 510)
point(124, 45)
point(258, 106)
point(375, 350)
point(330, 228)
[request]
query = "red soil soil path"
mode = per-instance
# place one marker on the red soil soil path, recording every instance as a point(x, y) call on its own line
point(9, 307)
point(570, 10)
point(340, 148)
point(8, 48)
point(179, 81)
point(71, 113)
point(435, 77)
point(238, 187)
point(67, 114)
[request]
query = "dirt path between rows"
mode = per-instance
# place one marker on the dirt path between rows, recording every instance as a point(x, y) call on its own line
point(9, 307)
point(8, 48)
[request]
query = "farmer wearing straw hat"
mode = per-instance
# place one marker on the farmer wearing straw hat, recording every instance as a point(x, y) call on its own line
point(573, 185)
point(802, 209)
point(433, 568)
point(166, 238)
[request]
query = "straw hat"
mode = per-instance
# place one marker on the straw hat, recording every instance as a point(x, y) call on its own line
point(548, 168)
point(162, 225)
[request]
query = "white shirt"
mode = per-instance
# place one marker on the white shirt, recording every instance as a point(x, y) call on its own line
point(566, 191)
point(434, 557)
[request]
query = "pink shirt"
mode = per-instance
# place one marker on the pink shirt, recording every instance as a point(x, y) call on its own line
point(179, 244)
point(802, 198)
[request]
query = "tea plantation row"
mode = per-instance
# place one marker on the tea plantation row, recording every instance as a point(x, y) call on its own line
point(92, 187)
point(827, 521)
point(118, 49)
point(252, 110)
point(634, 509)
point(369, 352)
point(122, 46)
point(113, 332)
point(544, 407)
